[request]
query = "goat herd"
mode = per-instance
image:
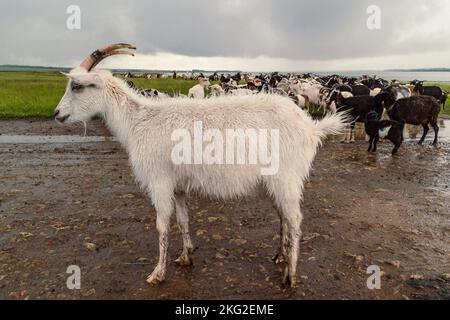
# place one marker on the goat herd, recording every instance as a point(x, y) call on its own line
point(379, 104)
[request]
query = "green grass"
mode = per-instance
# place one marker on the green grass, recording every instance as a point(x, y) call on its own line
point(36, 94)
point(444, 86)
point(166, 84)
point(30, 94)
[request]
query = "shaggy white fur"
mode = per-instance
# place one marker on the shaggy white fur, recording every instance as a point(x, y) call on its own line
point(144, 128)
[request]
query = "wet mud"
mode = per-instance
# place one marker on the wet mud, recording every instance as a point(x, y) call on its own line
point(74, 202)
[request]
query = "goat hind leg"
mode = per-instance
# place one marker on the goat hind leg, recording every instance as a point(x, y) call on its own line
point(436, 131)
point(164, 210)
point(293, 218)
point(281, 255)
point(183, 223)
point(376, 139)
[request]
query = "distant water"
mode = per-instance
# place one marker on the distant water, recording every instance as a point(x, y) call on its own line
point(387, 75)
point(395, 75)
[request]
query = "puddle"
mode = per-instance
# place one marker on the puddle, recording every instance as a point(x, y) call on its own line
point(410, 133)
point(37, 139)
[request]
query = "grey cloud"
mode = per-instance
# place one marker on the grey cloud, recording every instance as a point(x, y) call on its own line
point(309, 29)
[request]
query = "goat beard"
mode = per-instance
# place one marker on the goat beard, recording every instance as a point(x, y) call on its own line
point(85, 128)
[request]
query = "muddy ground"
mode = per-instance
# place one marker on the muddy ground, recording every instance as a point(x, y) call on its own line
point(67, 204)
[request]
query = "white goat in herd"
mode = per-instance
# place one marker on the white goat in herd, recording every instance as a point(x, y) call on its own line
point(198, 91)
point(144, 127)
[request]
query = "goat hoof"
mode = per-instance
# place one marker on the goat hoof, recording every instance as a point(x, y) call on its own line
point(293, 282)
point(278, 258)
point(155, 279)
point(290, 282)
point(184, 261)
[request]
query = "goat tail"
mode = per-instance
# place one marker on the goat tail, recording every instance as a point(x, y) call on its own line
point(334, 123)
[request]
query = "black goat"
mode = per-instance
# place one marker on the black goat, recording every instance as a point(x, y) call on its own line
point(358, 108)
point(360, 90)
point(432, 91)
point(224, 79)
point(237, 77)
point(417, 110)
point(373, 125)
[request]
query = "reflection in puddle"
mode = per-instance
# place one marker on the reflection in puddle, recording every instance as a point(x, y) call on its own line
point(411, 132)
point(27, 139)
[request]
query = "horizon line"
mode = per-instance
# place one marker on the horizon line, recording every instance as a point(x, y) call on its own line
point(419, 69)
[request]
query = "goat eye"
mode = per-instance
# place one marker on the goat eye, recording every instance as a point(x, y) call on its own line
point(76, 87)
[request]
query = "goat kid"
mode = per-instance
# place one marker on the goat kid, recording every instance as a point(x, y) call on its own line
point(373, 125)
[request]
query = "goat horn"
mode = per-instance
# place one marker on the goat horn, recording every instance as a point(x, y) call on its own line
point(98, 55)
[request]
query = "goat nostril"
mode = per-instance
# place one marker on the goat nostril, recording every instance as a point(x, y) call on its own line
point(62, 119)
point(56, 113)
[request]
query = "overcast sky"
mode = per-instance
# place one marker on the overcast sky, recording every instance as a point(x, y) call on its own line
point(249, 35)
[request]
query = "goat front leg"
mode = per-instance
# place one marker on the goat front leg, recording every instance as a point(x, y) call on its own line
point(164, 210)
point(352, 133)
point(346, 135)
point(425, 131)
point(375, 142)
point(183, 223)
point(370, 143)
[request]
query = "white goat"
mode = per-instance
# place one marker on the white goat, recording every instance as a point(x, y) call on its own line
point(198, 91)
point(216, 90)
point(375, 91)
point(302, 101)
point(310, 88)
point(145, 128)
point(241, 92)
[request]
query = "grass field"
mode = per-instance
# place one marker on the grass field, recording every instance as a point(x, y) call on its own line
point(36, 94)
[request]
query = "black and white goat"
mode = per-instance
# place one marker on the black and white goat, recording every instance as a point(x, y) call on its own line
point(373, 125)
